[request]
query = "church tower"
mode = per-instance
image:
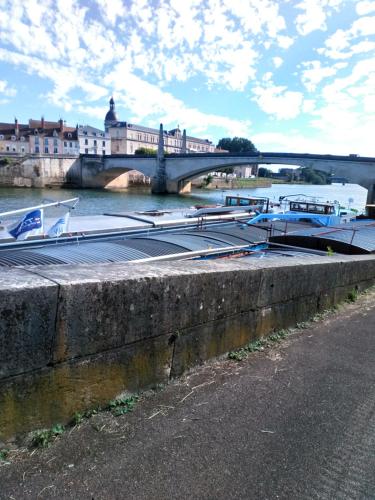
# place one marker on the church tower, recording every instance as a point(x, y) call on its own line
point(110, 119)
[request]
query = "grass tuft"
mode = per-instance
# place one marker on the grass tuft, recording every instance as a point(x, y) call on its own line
point(258, 345)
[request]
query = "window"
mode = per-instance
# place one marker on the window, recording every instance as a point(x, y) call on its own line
point(21, 139)
point(13, 137)
point(65, 144)
point(13, 149)
point(103, 144)
point(70, 144)
point(46, 149)
point(86, 151)
point(95, 143)
point(46, 141)
point(8, 149)
point(1, 137)
point(55, 150)
point(22, 150)
point(36, 149)
point(103, 152)
point(36, 141)
point(95, 151)
point(86, 142)
point(55, 142)
point(69, 135)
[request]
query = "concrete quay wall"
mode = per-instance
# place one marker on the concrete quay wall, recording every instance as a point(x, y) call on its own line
point(72, 338)
point(41, 171)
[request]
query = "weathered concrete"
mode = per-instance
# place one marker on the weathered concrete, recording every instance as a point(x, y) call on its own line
point(75, 337)
point(296, 422)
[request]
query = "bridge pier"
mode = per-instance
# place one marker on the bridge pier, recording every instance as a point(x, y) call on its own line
point(178, 187)
point(371, 194)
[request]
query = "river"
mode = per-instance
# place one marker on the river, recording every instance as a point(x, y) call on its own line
point(93, 202)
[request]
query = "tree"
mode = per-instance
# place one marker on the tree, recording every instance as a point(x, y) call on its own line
point(145, 151)
point(237, 145)
point(313, 177)
point(264, 172)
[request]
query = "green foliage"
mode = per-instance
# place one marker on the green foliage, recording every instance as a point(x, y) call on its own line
point(237, 145)
point(145, 151)
point(44, 437)
point(4, 455)
point(207, 180)
point(264, 172)
point(330, 252)
point(311, 176)
point(122, 405)
point(258, 345)
point(353, 295)
point(4, 161)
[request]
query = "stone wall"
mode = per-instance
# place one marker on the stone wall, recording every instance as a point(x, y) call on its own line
point(41, 171)
point(75, 337)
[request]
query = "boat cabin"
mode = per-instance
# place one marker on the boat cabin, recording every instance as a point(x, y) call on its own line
point(261, 204)
point(313, 208)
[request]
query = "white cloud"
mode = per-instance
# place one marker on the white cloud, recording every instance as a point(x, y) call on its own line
point(341, 44)
point(278, 101)
point(159, 106)
point(7, 90)
point(365, 7)
point(277, 61)
point(315, 73)
point(314, 15)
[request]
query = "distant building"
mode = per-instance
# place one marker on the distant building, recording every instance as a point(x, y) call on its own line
point(38, 137)
point(126, 137)
point(13, 138)
point(93, 141)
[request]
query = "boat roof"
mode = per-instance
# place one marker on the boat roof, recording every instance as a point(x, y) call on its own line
point(352, 238)
point(126, 247)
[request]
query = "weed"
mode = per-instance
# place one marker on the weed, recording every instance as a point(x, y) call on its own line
point(4, 455)
point(330, 252)
point(302, 325)
point(258, 345)
point(44, 437)
point(352, 295)
point(122, 405)
point(77, 418)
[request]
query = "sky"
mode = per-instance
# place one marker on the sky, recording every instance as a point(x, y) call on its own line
point(290, 75)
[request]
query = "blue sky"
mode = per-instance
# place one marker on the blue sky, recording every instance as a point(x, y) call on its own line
point(296, 76)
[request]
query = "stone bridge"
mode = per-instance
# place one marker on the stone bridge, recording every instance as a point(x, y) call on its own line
point(172, 173)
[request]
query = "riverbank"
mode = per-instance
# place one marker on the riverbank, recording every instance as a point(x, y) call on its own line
point(238, 183)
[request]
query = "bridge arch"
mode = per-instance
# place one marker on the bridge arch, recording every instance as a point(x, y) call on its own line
point(111, 171)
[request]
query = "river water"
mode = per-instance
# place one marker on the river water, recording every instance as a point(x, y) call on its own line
point(94, 202)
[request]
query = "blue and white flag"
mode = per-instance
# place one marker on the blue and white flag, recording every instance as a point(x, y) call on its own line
point(59, 227)
point(30, 225)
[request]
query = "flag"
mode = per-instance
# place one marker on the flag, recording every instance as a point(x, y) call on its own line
point(30, 225)
point(59, 227)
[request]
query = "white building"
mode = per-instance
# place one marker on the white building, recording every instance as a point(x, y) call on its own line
point(126, 137)
point(93, 141)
